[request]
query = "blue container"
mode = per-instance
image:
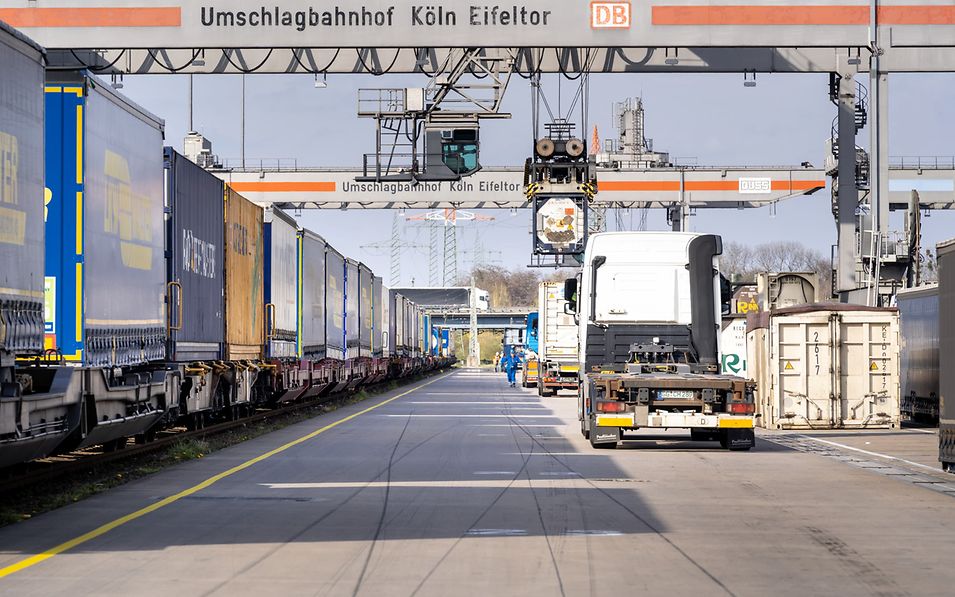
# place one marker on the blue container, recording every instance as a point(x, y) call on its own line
point(105, 263)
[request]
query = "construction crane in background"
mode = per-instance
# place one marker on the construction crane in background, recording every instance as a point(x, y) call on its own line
point(443, 263)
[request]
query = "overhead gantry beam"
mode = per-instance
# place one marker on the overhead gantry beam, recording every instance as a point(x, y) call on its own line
point(731, 188)
point(404, 36)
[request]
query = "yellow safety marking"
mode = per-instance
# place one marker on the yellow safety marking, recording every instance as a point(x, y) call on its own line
point(79, 222)
point(79, 144)
point(603, 421)
point(109, 526)
point(77, 90)
point(51, 89)
point(789, 366)
point(79, 302)
point(874, 366)
point(737, 423)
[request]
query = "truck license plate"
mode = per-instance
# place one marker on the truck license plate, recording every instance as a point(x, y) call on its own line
point(674, 394)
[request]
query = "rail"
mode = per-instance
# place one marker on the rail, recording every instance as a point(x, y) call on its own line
point(922, 162)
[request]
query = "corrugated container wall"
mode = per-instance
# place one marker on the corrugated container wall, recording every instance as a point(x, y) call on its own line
point(312, 286)
point(826, 366)
point(366, 314)
point(105, 261)
point(281, 283)
point(195, 241)
point(21, 194)
point(334, 304)
point(556, 330)
point(918, 325)
point(380, 320)
point(946, 353)
point(244, 278)
point(352, 309)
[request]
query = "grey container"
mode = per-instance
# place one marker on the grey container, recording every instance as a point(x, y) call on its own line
point(352, 309)
point(394, 322)
point(194, 268)
point(21, 193)
point(380, 321)
point(918, 346)
point(281, 283)
point(314, 321)
point(334, 304)
point(945, 252)
point(366, 312)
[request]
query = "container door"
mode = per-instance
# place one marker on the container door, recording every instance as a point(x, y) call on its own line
point(868, 375)
point(803, 362)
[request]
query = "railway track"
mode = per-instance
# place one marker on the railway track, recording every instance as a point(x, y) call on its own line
point(70, 464)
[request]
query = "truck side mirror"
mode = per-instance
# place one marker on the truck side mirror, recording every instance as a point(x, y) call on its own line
point(570, 293)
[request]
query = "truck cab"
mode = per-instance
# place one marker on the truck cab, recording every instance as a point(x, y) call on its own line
point(648, 305)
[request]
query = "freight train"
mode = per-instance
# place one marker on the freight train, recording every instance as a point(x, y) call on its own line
point(138, 291)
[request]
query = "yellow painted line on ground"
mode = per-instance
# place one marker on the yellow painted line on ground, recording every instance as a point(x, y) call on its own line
point(109, 526)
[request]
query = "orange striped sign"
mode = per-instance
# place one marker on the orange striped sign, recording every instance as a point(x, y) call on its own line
point(132, 16)
point(800, 15)
point(283, 187)
point(702, 185)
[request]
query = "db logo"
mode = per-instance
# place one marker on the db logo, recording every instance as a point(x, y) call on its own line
point(610, 15)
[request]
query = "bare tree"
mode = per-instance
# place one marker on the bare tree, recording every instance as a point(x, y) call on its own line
point(778, 256)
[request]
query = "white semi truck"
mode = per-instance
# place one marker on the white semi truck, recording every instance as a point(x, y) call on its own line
point(648, 307)
point(557, 341)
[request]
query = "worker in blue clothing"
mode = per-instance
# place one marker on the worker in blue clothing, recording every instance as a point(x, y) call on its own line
point(509, 363)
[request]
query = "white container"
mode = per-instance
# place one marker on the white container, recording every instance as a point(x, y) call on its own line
point(557, 330)
point(733, 357)
point(826, 366)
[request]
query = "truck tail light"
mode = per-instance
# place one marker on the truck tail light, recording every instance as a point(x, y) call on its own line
point(742, 408)
point(610, 407)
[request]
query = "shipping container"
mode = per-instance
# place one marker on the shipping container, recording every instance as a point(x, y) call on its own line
point(945, 253)
point(425, 333)
point(281, 283)
point(312, 298)
point(388, 322)
point(366, 316)
point(105, 263)
point(918, 344)
point(194, 268)
point(825, 366)
point(733, 356)
point(244, 278)
point(380, 318)
point(21, 195)
point(352, 309)
point(334, 304)
point(556, 329)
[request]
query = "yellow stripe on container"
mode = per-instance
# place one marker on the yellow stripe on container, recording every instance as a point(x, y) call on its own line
point(79, 222)
point(79, 144)
point(79, 302)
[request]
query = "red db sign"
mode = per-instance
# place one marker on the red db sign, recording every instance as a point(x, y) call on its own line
point(610, 15)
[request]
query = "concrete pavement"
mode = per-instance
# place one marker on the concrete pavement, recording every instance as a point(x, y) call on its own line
point(464, 486)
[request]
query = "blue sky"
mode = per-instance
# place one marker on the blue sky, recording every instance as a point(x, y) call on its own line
point(784, 120)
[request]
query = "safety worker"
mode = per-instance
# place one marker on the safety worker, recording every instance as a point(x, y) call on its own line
point(510, 366)
point(497, 362)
